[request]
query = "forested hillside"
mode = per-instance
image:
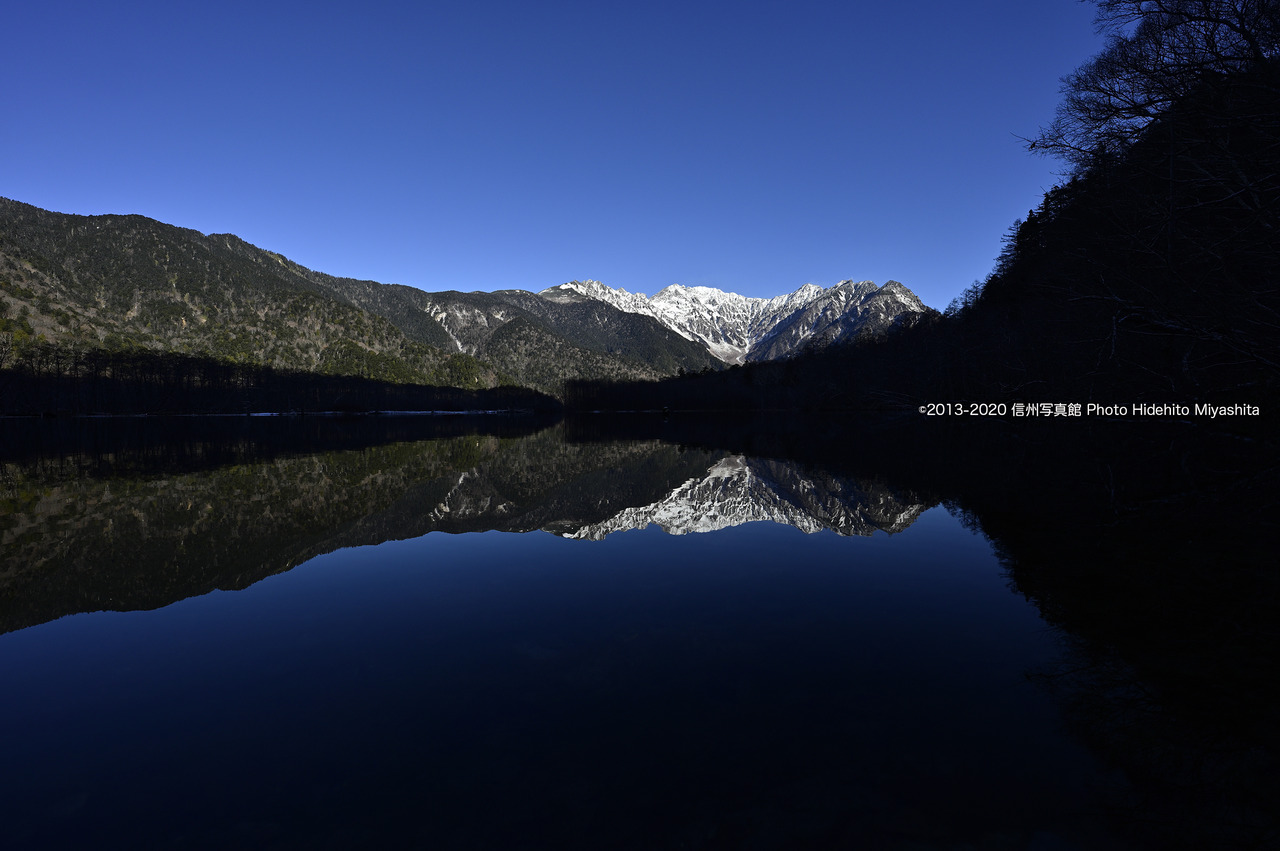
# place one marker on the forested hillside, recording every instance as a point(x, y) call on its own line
point(70, 284)
point(74, 289)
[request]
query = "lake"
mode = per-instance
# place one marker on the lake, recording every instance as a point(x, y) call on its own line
point(456, 635)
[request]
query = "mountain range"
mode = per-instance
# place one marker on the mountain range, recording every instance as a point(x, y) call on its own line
point(120, 281)
point(736, 328)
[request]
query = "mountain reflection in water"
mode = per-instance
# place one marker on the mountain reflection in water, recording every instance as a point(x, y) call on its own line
point(750, 687)
point(737, 490)
point(77, 537)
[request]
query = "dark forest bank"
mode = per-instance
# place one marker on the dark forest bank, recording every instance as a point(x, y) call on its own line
point(98, 381)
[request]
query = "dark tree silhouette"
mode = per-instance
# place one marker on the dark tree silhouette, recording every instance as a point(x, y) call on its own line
point(1158, 52)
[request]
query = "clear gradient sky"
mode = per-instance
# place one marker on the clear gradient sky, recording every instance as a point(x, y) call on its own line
point(750, 146)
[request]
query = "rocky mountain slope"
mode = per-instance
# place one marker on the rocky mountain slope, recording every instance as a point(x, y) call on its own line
point(621, 344)
point(738, 328)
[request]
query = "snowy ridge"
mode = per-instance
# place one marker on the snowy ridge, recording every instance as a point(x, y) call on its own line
point(619, 298)
point(848, 310)
point(738, 490)
point(737, 328)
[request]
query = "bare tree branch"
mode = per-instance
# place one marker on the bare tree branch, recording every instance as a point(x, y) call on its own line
point(1157, 52)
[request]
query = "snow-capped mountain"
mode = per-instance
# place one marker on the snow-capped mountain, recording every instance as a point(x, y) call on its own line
point(737, 328)
point(842, 312)
point(738, 490)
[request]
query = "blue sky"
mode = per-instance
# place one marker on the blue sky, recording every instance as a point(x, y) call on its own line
point(751, 146)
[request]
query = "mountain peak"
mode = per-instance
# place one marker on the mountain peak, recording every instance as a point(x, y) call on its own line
point(733, 327)
point(694, 292)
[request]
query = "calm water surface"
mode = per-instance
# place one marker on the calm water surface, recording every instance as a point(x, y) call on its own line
point(755, 686)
